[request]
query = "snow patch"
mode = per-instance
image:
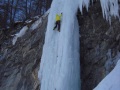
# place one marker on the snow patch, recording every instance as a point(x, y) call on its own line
point(46, 13)
point(28, 21)
point(111, 81)
point(36, 24)
point(20, 34)
point(39, 21)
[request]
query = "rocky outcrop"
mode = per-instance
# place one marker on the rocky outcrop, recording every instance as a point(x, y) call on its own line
point(19, 63)
point(100, 46)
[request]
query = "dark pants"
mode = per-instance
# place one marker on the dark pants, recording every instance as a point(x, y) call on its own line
point(57, 24)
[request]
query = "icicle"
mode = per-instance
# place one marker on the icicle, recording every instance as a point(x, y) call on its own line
point(81, 5)
point(84, 3)
point(110, 8)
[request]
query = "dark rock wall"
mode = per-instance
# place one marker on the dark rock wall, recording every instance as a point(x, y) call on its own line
point(100, 44)
point(20, 64)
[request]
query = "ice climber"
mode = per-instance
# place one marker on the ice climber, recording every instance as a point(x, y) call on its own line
point(58, 21)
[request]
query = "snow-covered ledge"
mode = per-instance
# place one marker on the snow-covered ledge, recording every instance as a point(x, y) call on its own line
point(111, 81)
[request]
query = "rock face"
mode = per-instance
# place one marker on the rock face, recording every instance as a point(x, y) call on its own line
point(19, 64)
point(100, 44)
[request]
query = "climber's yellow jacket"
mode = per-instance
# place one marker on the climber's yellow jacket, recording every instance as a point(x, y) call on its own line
point(58, 17)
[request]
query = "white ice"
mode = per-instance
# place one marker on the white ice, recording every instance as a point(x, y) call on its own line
point(60, 64)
